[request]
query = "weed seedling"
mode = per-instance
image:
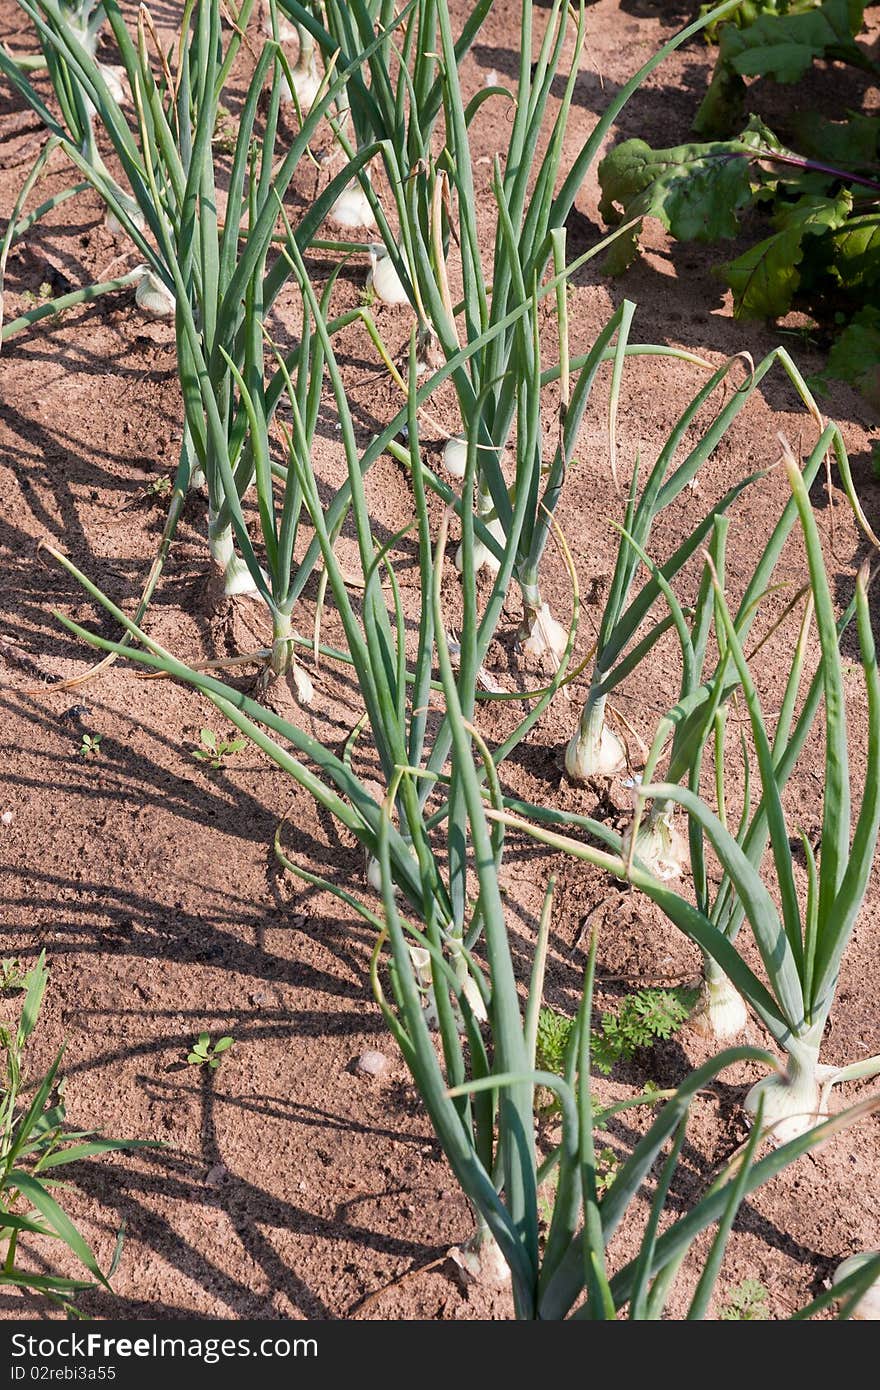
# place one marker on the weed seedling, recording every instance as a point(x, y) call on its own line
point(607, 1164)
point(225, 136)
point(213, 751)
point(554, 1031)
point(205, 1053)
point(747, 1303)
point(40, 297)
point(643, 1018)
point(13, 975)
point(90, 746)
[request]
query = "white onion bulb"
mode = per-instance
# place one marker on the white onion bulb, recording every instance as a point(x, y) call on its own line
point(383, 278)
point(153, 297)
point(352, 208)
point(868, 1307)
point(287, 32)
point(455, 456)
point(112, 222)
point(541, 635)
point(596, 752)
point(720, 1012)
point(484, 558)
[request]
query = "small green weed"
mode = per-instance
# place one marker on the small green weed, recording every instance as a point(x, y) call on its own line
point(90, 746)
point(13, 975)
point(160, 487)
point(225, 138)
point(748, 1302)
point(205, 1053)
point(43, 293)
point(554, 1031)
point(642, 1019)
point(214, 751)
point(607, 1164)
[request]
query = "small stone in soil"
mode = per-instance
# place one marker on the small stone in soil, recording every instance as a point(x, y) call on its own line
point(371, 1063)
point(7, 818)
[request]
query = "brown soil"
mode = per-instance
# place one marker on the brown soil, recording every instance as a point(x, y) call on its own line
point(289, 1185)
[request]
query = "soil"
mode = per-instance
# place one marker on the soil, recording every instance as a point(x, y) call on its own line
point(290, 1184)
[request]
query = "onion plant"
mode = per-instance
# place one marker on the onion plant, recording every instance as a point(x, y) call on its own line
point(700, 719)
point(436, 201)
point(224, 285)
point(449, 950)
point(403, 66)
point(596, 749)
point(219, 273)
point(223, 275)
point(801, 943)
point(443, 921)
point(802, 947)
point(393, 98)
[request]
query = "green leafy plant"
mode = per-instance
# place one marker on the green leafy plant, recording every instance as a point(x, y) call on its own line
point(782, 42)
point(90, 746)
point(551, 1040)
point(13, 975)
point(749, 10)
point(607, 1168)
point(204, 1053)
point(642, 1019)
point(746, 1302)
point(822, 203)
point(34, 1145)
point(159, 487)
point(801, 945)
point(214, 751)
point(41, 296)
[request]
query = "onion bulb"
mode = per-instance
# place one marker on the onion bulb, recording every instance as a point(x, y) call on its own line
point(132, 211)
point(153, 296)
point(352, 208)
point(720, 1012)
point(237, 578)
point(484, 558)
point(455, 456)
point(541, 635)
point(306, 79)
point(374, 871)
point(792, 1100)
point(479, 1259)
point(661, 846)
point(594, 750)
point(868, 1307)
point(286, 31)
point(383, 278)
